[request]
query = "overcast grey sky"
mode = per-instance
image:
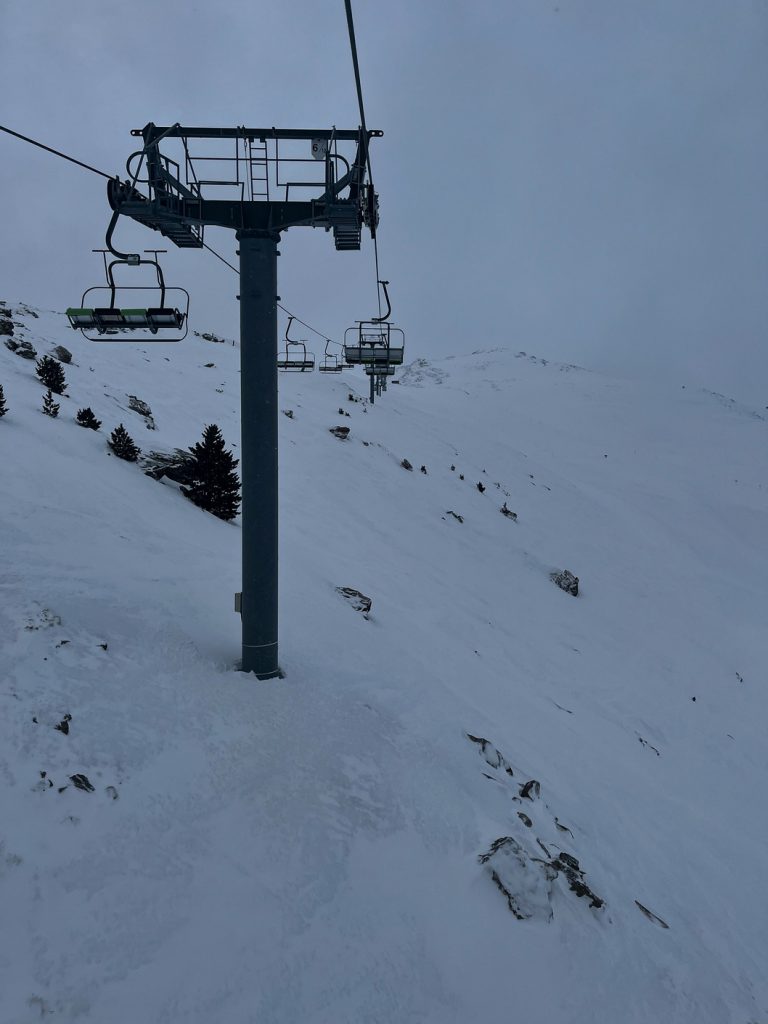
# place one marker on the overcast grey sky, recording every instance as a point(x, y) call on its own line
point(582, 179)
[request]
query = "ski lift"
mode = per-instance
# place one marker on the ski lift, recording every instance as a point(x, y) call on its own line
point(331, 362)
point(299, 359)
point(116, 322)
point(375, 342)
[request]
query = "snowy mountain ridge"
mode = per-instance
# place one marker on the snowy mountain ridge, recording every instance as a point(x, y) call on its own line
point(487, 798)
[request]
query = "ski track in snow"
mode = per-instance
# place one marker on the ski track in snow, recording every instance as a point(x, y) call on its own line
point(308, 850)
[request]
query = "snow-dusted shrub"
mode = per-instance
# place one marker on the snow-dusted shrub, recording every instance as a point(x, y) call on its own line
point(51, 373)
point(50, 408)
point(86, 418)
point(215, 485)
point(122, 444)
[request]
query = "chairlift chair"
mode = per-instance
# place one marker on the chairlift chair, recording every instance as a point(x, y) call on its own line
point(331, 362)
point(299, 359)
point(116, 322)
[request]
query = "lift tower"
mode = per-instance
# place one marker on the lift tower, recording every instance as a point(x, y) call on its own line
point(258, 206)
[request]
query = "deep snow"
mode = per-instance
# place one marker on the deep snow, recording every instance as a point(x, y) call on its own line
point(308, 849)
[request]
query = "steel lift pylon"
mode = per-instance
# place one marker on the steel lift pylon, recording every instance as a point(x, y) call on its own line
point(260, 204)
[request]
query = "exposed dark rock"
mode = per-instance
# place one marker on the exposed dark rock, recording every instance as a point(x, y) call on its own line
point(406, 465)
point(455, 515)
point(62, 354)
point(508, 512)
point(525, 882)
point(566, 581)
point(26, 353)
point(112, 792)
point(424, 470)
point(359, 601)
point(530, 787)
point(651, 916)
point(341, 432)
point(137, 405)
point(492, 756)
point(480, 486)
point(525, 819)
point(63, 725)
point(569, 866)
point(6, 326)
point(81, 782)
point(178, 465)
point(563, 828)
point(288, 413)
point(12, 345)
point(209, 366)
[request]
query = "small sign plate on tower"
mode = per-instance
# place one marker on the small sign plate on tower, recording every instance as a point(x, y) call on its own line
point(319, 148)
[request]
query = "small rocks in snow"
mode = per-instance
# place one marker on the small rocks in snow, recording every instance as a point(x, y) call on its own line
point(562, 828)
point(492, 756)
point(424, 470)
point(104, 647)
point(63, 725)
point(288, 413)
point(566, 581)
point(569, 866)
point(6, 326)
point(508, 512)
point(26, 350)
point(11, 344)
point(358, 600)
point(341, 432)
point(455, 515)
point(81, 782)
point(62, 354)
point(650, 746)
point(650, 915)
point(112, 792)
point(461, 476)
point(209, 366)
point(406, 465)
point(137, 405)
point(480, 485)
point(525, 819)
point(533, 786)
point(453, 469)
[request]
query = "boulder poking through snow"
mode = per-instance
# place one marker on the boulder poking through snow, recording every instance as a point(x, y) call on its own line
point(566, 581)
point(62, 354)
point(359, 601)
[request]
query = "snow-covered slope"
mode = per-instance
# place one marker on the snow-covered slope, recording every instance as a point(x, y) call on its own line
point(311, 849)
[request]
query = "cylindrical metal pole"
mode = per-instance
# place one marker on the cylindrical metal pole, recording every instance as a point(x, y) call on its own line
point(373, 388)
point(258, 450)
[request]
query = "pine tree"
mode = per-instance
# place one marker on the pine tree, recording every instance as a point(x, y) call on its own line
point(216, 485)
point(122, 444)
point(50, 408)
point(3, 406)
point(86, 418)
point(51, 373)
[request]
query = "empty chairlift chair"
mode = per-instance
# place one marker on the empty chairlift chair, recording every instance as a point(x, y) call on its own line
point(331, 363)
point(116, 322)
point(295, 356)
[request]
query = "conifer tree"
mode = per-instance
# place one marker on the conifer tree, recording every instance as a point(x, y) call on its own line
point(215, 486)
point(122, 444)
point(3, 406)
point(51, 373)
point(86, 418)
point(50, 408)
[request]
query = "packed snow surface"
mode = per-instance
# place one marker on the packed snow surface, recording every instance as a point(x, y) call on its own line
point(486, 800)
